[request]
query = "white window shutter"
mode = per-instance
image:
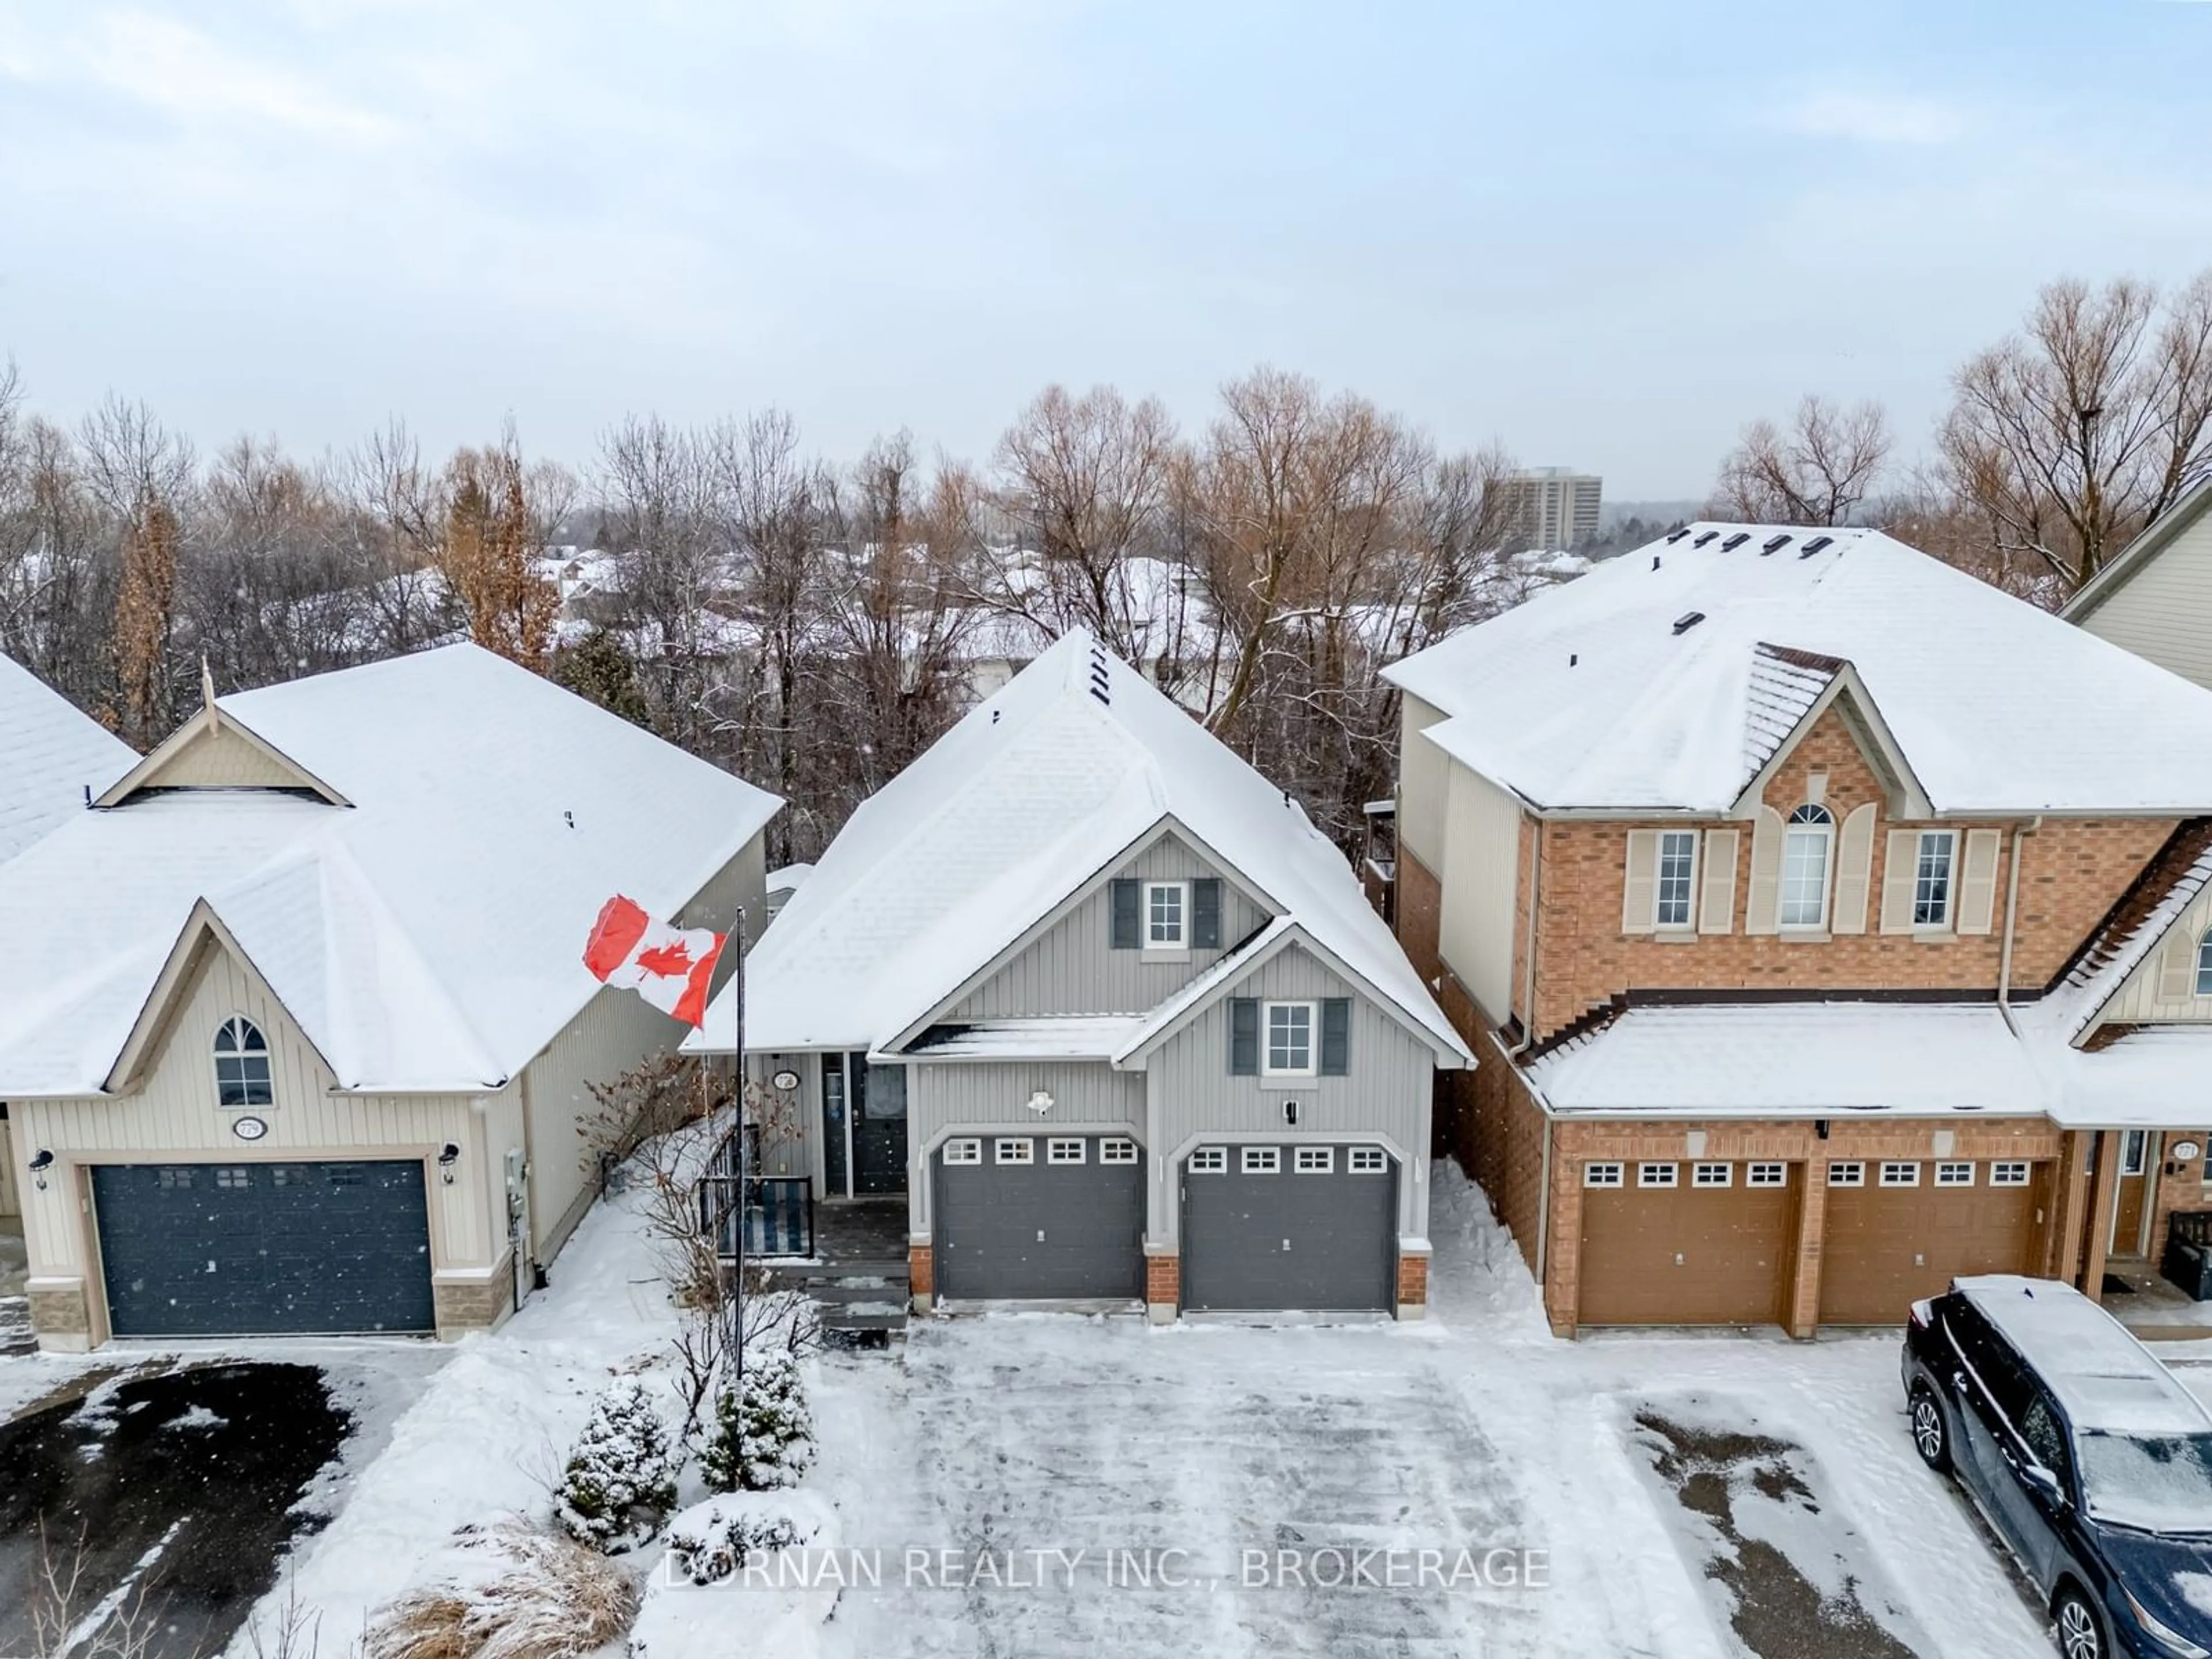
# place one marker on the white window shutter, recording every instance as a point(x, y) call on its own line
point(1900, 869)
point(1977, 883)
point(1639, 892)
point(1717, 901)
point(1854, 870)
point(1762, 904)
point(2177, 968)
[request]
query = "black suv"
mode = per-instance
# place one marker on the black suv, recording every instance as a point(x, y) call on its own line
point(2088, 1458)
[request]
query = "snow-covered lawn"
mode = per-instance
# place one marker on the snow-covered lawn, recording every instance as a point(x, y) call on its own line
point(1185, 1448)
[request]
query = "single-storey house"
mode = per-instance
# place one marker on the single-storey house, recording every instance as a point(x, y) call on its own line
point(295, 1033)
point(1109, 1013)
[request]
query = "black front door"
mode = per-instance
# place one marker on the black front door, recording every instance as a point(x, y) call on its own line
point(834, 1127)
point(878, 1128)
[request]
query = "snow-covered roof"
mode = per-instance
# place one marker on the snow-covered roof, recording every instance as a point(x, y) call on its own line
point(2149, 1078)
point(785, 878)
point(1032, 795)
point(1651, 683)
point(2107, 1382)
point(429, 935)
point(1793, 1060)
point(49, 754)
point(1074, 1037)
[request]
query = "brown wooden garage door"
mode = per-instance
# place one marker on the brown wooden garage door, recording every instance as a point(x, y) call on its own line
point(1687, 1243)
point(1898, 1231)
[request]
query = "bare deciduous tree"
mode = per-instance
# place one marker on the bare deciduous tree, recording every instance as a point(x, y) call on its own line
point(2070, 437)
point(1816, 471)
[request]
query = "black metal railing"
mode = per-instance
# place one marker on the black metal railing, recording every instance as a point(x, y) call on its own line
point(776, 1213)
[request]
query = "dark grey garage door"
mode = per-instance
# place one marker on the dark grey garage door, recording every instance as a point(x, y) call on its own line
point(1041, 1217)
point(1290, 1227)
point(240, 1249)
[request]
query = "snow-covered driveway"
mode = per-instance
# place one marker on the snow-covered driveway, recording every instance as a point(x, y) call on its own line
point(1475, 1431)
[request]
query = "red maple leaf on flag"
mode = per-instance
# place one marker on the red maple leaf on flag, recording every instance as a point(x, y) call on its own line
point(672, 960)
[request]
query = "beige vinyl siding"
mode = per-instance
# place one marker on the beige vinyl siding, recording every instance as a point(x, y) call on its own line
point(2163, 987)
point(1073, 968)
point(219, 758)
point(1387, 1093)
point(175, 1119)
point(1424, 783)
point(1481, 875)
point(2158, 612)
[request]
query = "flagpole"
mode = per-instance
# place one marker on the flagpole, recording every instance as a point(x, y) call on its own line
point(737, 1077)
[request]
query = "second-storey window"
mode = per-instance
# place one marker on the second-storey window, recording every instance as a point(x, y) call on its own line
point(1678, 860)
point(1932, 884)
point(2205, 965)
point(1290, 1039)
point(1806, 844)
point(1167, 905)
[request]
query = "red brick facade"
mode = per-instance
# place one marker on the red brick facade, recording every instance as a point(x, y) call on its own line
point(1413, 1281)
point(921, 1270)
point(1163, 1281)
point(2072, 873)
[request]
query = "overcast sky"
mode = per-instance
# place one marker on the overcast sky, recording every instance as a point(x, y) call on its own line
point(1605, 233)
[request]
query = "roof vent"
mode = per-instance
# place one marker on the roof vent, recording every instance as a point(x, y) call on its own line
point(1678, 535)
point(1775, 545)
point(1815, 545)
point(1654, 561)
point(1736, 541)
point(1707, 537)
point(1573, 657)
point(1688, 620)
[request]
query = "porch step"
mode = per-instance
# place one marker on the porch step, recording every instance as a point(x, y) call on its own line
point(859, 1333)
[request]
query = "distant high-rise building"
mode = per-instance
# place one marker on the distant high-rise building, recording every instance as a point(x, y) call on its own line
point(1552, 507)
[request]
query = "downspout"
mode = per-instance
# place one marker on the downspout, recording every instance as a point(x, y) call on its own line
point(2012, 908)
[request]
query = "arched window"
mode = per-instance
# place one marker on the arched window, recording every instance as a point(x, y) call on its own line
point(1806, 843)
point(2205, 964)
point(242, 1065)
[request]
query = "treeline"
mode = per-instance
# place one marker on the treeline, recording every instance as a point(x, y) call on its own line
point(812, 625)
point(2062, 442)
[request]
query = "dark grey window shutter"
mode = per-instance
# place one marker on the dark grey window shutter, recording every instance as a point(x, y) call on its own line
point(1336, 1036)
point(1244, 1036)
point(1206, 914)
point(1127, 921)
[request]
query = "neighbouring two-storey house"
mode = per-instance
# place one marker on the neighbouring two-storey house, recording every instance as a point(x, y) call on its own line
point(2155, 596)
point(296, 1034)
point(1826, 924)
point(1111, 1014)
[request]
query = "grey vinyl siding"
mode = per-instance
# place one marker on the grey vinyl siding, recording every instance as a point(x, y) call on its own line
point(2158, 611)
point(1386, 1093)
point(1088, 1095)
point(790, 1123)
point(1073, 968)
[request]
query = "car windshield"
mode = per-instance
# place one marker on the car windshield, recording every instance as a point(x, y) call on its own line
point(2159, 1483)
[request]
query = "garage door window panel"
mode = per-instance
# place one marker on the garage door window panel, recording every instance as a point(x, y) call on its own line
point(2007, 1173)
point(1847, 1175)
point(1262, 1160)
point(242, 1076)
point(1116, 1149)
point(1955, 1175)
point(1713, 1175)
point(1316, 1160)
point(1210, 1160)
point(1602, 1175)
point(1367, 1160)
point(966, 1150)
point(1072, 1150)
point(1766, 1175)
point(1655, 1174)
point(1022, 1151)
point(1901, 1175)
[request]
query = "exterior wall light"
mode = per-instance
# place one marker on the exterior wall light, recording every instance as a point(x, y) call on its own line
point(39, 1166)
point(447, 1159)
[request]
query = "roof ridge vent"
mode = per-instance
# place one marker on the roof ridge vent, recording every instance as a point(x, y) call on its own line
point(1774, 544)
point(1688, 620)
point(1702, 539)
point(1736, 541)
point(1815, 545)
point(1677, 536)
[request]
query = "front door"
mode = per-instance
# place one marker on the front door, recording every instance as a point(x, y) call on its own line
point(878, 1128)
point(2131, 1206)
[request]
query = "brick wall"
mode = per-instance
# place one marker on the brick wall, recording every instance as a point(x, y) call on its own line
point(922, 1269)
point(2072, 871)
point(1163, 1281)
point(1420, 915)
point(1413, 1281)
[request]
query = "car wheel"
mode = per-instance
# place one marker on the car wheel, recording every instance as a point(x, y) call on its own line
point(1931, 1429)
point(2080, 1632)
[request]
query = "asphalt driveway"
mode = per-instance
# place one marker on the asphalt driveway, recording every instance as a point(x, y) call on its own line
point(170, 1491)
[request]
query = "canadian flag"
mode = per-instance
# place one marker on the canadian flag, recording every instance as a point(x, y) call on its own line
point(669, 967)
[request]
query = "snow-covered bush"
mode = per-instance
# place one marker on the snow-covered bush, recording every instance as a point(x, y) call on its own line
point(710, 1543)
point(531, 1595)
point(620, 1482)
point(763, 1434)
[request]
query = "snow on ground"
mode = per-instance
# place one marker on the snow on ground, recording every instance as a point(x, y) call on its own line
point(488, 1436)
point(1473, 1430)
